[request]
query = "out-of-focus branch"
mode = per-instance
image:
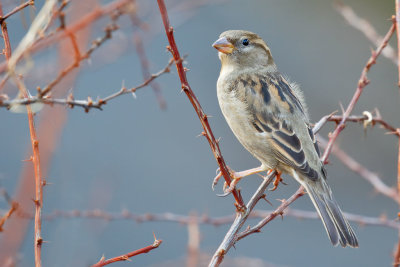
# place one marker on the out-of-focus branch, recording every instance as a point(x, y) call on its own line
point(15, 10)
point(361, 84)
point(173, 48)
point(4, 218)
point(78, 58)
point(144, 62)
point(4, 32)
point(97, 13)
point(396, 257)
point(125, 257)
point(356, 167)
point(397, 252)
point(193, 242)
point(366, 28)
point(203, 219)
point(86, 104)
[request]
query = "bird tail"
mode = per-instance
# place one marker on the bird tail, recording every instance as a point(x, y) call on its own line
point(336, 226)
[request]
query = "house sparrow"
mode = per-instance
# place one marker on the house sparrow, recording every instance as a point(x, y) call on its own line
point(268, 116)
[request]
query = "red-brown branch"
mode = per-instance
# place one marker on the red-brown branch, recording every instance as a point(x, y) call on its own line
point(13, 208)
point(397, 253)
point(196, 104)
point(361, 84)
point(15, 10)
point(4, 31)
point(78, 57)
point(127, 256)
point(204, 219)
point(79, 25)
point(272, 215)
point(39, 181)
point(88, 103)
point(398, 57)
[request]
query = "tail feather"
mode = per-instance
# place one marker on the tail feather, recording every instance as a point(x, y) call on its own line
point(337, 227)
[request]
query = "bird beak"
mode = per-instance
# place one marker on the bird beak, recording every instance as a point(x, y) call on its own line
point(223, 45)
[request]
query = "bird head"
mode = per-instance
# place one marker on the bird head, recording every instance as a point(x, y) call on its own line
point(243, 48)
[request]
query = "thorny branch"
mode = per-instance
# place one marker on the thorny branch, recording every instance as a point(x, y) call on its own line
point(86, 104)
point(173, 48)
point(15, 10)
point(204, 219)
point(361, 84)
point(96, 14)
point(396, 256)
point(78, 58)
point(127, 256)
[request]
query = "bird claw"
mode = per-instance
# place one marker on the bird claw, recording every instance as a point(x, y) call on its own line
point(227, 189)
point(236, 176)
point(277, 181)
point(216, 179)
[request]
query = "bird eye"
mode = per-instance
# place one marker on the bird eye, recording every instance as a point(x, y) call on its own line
point(245, 42)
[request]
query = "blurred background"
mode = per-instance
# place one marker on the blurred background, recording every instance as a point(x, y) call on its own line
point(138, 157)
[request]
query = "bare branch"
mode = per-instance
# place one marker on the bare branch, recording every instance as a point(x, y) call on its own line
point(361, 84)
point(173, 48)
point(86, 104)
point(127, 256)
point(366, 28)
point(356, 167)
point(241, 217)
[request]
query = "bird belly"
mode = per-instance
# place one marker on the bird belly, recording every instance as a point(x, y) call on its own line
point(240, 122)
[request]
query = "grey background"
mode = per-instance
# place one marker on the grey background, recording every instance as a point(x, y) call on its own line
point(134, 156)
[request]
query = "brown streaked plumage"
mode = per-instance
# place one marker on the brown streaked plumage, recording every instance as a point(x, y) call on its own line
point(269, 117)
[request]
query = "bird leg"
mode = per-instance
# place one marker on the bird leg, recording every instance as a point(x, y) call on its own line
point(236, 177)
point(277, 180)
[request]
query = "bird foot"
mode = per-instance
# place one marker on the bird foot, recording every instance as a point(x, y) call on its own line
point(236, 177)
point(277, 180)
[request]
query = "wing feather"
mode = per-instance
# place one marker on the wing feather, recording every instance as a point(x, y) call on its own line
point(272, 101)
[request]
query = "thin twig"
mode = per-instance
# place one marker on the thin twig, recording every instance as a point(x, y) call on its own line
point(82, 23)
point(356, 167)
point(7, 215)
point(15, 10)
point(398, 59)
point(359, 219)
point(397, 253)
point(127, 256)
point(144, 62)
point(196, 104)
point(272, 215)
point(361, 84)
point(366, 28)
point(241, 217)
point(86, 104)
point(4, 31)
point(78, 58)
point(39, 181)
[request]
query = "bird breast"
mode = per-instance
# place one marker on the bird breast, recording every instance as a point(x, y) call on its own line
point(239, 119)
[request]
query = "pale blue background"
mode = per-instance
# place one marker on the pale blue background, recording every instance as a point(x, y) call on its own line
point(150, 161)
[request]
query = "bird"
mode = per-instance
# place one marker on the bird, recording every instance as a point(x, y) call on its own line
point(269, 117)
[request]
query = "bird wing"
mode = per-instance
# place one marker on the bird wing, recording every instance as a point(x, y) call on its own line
point(272, 102)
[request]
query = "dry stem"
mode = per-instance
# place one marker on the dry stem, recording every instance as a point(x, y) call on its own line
point(361, 84)
point(86, 104)
point(125, 257)
point(196, 104)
